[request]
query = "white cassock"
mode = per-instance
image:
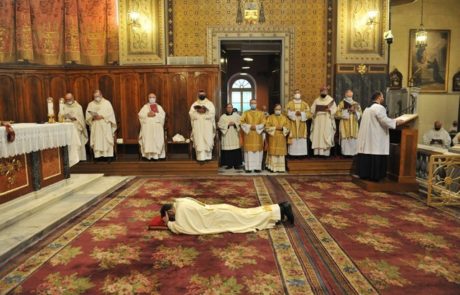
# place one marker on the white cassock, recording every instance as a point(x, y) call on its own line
point(77, 150)
point(203, 129)
point(102, 131)
point(195, 218)
point(152, 136)
point(374, 133)
point(436, 135)
point(323, 126)
point(298, 146)
point(230, 139)
point(456, 139)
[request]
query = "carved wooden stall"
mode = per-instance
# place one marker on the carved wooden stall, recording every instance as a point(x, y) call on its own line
point(24, 89)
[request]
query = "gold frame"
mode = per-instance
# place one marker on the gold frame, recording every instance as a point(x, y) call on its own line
point(142, 41)
point(444, 180)
point(412, 53)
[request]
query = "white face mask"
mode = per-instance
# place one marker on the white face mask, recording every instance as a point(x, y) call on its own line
point(69, 102)
point(277, 112)
point(152, 100)
point(98, 98)
point(297, 96)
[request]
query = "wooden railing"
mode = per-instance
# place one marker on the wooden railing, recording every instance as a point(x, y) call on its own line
point(443, 180)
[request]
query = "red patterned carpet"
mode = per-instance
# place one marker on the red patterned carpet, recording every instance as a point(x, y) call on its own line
point(346, 241)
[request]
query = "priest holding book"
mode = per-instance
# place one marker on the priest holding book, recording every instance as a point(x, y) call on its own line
point(323, 125)
point(349, 113)
point(151, 137)
point(202, 116)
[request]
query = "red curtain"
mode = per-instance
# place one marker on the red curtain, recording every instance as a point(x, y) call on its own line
point(54, 32)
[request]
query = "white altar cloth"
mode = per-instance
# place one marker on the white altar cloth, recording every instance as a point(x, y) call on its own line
point(32, 137)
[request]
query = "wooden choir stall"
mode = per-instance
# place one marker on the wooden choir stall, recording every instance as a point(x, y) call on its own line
point(36, 157)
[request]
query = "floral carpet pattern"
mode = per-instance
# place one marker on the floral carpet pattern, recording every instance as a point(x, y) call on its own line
point(401, 245)
point(112, 252)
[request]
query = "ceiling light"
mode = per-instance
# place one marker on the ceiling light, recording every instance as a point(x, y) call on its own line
point(245, 68)
point(248, 59)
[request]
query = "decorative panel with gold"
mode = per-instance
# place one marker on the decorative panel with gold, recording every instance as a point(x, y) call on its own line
point(359, 35)
point(51, 163)
point(14, 177)
point(306, 19)
point(142, 31)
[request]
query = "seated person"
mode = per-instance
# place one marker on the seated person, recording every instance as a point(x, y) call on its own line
point(437, 136)
point(456, 139)
point(189, 216)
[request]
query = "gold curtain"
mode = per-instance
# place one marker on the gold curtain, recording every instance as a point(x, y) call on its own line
point(55, 32)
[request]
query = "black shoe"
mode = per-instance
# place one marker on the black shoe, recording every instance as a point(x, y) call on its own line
point(228, 167)
point(247, 171)
point(286, 211)
point(257, 171)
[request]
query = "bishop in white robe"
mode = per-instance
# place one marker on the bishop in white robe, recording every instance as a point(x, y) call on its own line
point(323, 125)
point(202, 116)
point(229, 126)
point(349, 113)
point(437, 136)
point(374, 140)
point(71, 111)
point(100, 117)
point(151, 136)
point(192, 217)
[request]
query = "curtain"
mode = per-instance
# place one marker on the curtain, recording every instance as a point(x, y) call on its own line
point(56, 32)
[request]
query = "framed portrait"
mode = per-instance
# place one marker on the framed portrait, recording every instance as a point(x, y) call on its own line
point(429, 65)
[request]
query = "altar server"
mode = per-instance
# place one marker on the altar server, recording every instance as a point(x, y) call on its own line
point(230, 126)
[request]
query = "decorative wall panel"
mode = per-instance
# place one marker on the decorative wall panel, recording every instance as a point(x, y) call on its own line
point(358, 40)
point(307, 19)
point(142, 38)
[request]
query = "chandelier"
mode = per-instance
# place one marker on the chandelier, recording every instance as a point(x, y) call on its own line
point(421, 35)
point(250, 11)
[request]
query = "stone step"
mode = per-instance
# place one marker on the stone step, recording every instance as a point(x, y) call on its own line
point(33, 227)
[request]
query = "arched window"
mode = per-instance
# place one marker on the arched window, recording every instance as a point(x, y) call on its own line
point(241, 93)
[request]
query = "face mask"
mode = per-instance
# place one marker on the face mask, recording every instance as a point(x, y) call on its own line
point(152, 100)
point(98, 98)
point(349, 97)
point(70, 102)
point(277, 112)
point(437, 129)
point(253, 106)
point(297, 96)
point(202, 96)
point(323, 95)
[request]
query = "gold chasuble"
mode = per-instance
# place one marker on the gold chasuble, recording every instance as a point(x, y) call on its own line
point(277, 137)
point(298, 126)
point(253, 141)
point(348, 126)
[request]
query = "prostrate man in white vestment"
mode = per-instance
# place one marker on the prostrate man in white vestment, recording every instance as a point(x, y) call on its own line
point(298, 113)
point(151, 137)
point(73, 112)
point(437, 136)
point(323, 125)
point(349, 113)
point(229, 126)
point(202, 116)
point(253, 124)
point(374, 140)
point(189, 216)
point(101, 119)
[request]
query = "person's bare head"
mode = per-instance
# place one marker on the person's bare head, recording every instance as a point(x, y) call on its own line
point(97, 93)
point(378, 97)
point(437, 125)
point(168, 210)
point(69, 99)
point(229, 108)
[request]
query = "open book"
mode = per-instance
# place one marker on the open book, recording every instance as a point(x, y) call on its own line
point(407, 117)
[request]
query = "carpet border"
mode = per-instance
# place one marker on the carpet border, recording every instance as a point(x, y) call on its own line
point(17, 276)
point(285, 255)
point(357, 280)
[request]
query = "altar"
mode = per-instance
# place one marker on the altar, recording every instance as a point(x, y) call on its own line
point(39, 156)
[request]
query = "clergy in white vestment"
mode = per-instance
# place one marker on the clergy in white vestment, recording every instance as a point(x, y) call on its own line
point(101, 119)
point(229, 126)
point(71, 111)
point(456, 139)
point(374, 140)
point(151, 136)
point(192, 217)
point(437, 136)
point(253, 125)
point(323, 125)
point(298, 112)
point(349, 113)
point(202, 116)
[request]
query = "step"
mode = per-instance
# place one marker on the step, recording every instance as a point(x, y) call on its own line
point(24, 233)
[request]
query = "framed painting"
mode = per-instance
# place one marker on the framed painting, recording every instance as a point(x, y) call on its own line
point(429, 65)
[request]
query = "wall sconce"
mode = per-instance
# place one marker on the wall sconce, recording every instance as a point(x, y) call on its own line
point(133, 17)
point(372, 17)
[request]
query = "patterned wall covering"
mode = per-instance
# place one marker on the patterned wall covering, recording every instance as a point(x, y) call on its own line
point(192, 18)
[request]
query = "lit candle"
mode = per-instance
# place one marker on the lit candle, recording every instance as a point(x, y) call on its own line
point(50, 106)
